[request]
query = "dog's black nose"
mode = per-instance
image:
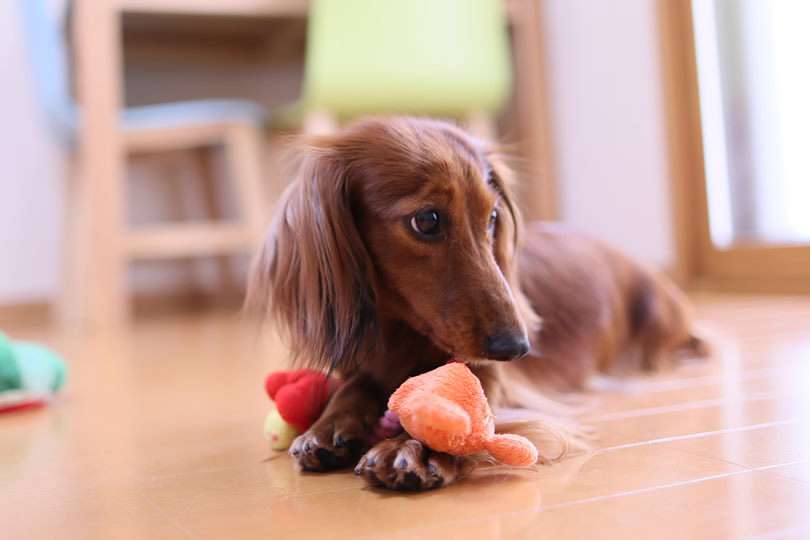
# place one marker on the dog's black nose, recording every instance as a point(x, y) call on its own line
point(506, 347)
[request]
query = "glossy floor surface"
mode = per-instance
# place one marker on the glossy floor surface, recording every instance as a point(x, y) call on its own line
point(158, 435)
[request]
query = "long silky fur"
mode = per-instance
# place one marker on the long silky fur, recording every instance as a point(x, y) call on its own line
point(311, 274)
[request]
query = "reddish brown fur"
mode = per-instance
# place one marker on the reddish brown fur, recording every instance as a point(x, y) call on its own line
point(601, 311)
point(360, 293)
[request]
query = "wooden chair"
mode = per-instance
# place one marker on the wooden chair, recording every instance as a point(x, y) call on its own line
point(236, 125)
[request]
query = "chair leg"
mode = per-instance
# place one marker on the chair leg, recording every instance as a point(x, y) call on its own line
point(319, 122)
point(73, 310)
point(202, 157)
point(244, 146)
point(482, 125)
point(70, 309)
point(103, 163)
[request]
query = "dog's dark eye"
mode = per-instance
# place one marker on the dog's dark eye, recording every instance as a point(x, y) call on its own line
point(426, 221)
point(493, 219)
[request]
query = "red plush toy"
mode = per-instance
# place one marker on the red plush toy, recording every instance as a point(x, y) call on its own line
point(300, 397)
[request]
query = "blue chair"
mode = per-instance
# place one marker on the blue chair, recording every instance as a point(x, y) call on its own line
point(237, 125)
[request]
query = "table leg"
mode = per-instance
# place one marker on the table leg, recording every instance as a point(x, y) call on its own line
point(97, 42)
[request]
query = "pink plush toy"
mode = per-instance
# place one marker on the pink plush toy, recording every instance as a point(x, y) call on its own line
point(446, 409)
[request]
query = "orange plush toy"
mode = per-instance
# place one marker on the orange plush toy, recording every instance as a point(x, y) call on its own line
point(446, 409)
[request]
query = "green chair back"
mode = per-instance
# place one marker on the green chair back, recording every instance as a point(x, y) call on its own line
point(439, 57)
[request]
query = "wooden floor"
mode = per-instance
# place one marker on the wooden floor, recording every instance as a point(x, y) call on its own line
point(158, 435)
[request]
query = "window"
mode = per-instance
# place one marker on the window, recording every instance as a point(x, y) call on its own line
point(738, 93)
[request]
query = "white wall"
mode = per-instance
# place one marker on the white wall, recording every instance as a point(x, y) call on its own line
point(31, 185)
point(608, 123)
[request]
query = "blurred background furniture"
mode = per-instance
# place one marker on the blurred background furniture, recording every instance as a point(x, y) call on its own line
point(365, 57)
point(100, 244)
point(98, 48)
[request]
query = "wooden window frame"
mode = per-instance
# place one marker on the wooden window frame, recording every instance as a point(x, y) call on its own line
point(699, 263)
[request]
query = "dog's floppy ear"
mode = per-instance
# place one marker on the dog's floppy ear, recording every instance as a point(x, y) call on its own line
point(312, 274)
point(507, 235)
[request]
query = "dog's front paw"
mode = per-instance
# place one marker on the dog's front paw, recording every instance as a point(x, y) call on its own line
point(330, 444)
point(403, 463)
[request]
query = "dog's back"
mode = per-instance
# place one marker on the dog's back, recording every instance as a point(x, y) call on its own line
point(601, 311)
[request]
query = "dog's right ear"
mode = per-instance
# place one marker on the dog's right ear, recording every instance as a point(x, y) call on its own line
point(507, 237)
point(312, 274)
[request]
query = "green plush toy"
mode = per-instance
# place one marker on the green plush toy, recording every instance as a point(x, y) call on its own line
point(30, 374)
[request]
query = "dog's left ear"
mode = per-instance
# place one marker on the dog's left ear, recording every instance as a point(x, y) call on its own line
point(507, 236)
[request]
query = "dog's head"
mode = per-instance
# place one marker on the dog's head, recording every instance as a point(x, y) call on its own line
point(395, 220)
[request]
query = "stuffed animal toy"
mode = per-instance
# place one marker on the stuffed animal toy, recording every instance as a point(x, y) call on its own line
point(30, 375)
point(446, 409)
point(300, 398)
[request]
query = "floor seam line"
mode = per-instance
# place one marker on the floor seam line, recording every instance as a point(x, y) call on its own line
point(165, 515)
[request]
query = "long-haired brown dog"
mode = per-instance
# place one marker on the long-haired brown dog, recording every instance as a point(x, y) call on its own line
point(398, 246)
